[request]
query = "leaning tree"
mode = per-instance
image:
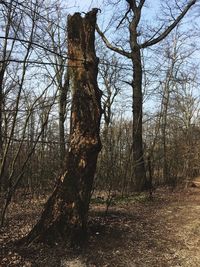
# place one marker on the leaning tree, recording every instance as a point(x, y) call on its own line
point(66, 211)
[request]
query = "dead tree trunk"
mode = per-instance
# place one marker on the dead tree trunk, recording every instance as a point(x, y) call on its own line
point(66, 212)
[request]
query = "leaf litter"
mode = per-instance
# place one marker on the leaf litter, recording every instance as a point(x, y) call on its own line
point(162, 232)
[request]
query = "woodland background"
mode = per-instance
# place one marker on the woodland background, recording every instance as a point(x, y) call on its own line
point(35, 106)
point(35, 98)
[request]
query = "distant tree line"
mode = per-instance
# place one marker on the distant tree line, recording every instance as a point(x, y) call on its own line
point(150, 127)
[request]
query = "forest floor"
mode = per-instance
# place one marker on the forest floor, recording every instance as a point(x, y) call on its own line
point(136, 232)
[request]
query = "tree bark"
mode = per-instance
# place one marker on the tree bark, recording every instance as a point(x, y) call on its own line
point(138, 157)
point(66, 212)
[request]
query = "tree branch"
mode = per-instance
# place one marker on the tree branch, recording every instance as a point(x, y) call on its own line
point(141, 4)
point(124, 17)
point(170, 28)
point(31, 43)
point(132, 4)
point(110, 46)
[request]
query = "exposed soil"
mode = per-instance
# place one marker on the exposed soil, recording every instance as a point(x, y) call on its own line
point(136, 232)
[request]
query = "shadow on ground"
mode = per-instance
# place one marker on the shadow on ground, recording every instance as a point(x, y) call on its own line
point(162, 232)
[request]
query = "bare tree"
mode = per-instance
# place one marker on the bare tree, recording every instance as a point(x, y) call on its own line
point(135, 9)
point(16, 85)
point(57, 36)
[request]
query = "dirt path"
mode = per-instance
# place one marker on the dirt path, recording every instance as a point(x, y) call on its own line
point(135, 233)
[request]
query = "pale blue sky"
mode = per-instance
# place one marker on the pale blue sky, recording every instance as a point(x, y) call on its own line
point(85, 5)
point(148, 16)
